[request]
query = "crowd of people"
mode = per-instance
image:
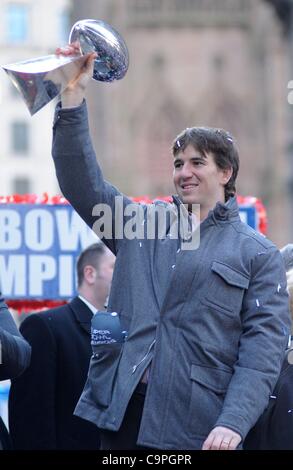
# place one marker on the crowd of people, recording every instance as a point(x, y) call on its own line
point(204, 313)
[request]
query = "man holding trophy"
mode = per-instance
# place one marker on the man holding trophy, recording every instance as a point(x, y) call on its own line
point(207, 327)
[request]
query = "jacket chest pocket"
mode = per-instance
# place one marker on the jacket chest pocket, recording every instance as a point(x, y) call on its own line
point(226, 288)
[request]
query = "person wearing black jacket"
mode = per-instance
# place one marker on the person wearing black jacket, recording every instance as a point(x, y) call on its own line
point(274, 428)
point(42, 400)
point(14, 357)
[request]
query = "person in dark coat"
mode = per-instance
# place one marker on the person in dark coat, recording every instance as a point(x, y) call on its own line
point(42, 400)
point(15, 355)
point(274, 428)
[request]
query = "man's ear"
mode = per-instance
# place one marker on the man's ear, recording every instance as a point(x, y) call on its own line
point(89, 274)
point(227, 173)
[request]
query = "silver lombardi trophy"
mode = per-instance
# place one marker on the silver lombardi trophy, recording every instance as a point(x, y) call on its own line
point(41, 79)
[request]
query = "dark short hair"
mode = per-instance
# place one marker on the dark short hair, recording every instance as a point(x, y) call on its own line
point(215, 141)
point(90, 256)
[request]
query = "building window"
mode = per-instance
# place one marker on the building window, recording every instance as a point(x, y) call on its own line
point(19, 138)
point(64, 26)
point(17, 22)
point(21, 186)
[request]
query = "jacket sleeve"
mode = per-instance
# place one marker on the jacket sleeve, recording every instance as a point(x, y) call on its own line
point(80, 177)
point(32, 395)
point(265, 333)
point(14, 350)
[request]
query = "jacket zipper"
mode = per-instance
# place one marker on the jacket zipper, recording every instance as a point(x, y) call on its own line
point(144, 357)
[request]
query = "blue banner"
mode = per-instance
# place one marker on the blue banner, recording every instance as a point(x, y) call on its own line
point(39, 245)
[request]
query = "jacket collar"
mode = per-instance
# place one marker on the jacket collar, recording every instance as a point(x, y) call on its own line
point(222, 211)
point(225, 211)
point(82, 313)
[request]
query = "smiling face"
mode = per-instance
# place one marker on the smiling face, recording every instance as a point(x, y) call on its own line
point(198, 180)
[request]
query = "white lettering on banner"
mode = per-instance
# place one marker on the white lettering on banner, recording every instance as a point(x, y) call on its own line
point(10, 235)
point(72, 231)
point(12, 275)
point(38, 250)
point(38, 229)
point(41, 268)
point(66, 269)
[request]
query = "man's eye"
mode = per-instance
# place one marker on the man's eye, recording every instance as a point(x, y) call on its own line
point(177, 165)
